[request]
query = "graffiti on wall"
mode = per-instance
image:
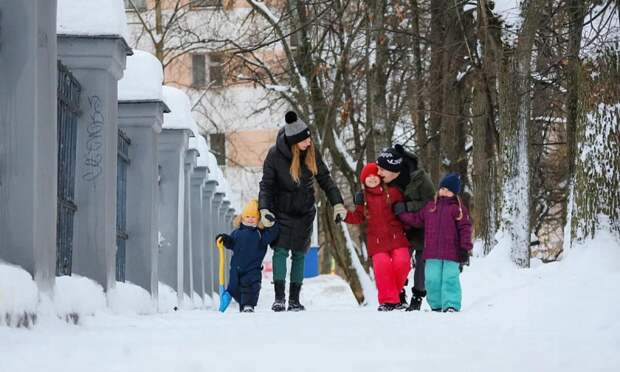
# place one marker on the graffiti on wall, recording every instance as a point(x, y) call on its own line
point(93, 160)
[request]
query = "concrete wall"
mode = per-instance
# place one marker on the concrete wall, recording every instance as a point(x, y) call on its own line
point(210, 252)
point(188, 269)
point(172, 147)
point(216, 202)
point(98, 64)
point(28, 132)
point(142, 122)
point(198, 181)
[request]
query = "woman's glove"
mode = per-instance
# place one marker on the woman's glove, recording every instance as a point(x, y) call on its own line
point(267, 218)
point(340, 212)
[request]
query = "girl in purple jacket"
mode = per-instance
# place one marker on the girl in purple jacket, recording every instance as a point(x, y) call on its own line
point(447, 239)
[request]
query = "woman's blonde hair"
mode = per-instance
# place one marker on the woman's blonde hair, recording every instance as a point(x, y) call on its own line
point(310, 161)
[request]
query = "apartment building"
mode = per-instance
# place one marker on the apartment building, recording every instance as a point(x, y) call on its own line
point(237, 117)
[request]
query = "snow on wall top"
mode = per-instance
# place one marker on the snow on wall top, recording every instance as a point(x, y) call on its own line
point(142, 79)
point(199, 143)
point(92, 17)
point(180, 115)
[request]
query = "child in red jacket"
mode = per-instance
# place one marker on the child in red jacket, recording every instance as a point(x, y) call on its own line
point(386, 241)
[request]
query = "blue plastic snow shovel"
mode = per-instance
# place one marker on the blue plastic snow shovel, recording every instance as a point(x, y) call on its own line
point(225, 297)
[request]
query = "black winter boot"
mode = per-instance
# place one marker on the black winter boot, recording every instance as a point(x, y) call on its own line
point(280, 303)
point(387, 307)
point(403, 300)
point(293, 298)
point(416, 300)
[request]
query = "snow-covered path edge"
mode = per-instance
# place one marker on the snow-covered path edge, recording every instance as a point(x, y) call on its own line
point(554, 317)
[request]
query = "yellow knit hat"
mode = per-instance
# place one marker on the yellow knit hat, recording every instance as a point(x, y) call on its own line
point(251, 209)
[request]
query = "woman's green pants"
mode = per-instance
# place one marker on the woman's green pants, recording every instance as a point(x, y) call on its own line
point(280, 255)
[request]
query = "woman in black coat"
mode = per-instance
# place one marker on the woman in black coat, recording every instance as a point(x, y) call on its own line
point(287, 194)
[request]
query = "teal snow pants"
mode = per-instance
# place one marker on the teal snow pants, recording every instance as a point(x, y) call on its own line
point(443, 287)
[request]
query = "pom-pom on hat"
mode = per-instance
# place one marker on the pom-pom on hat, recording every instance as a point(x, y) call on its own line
point(370, 169)
point(295, 130)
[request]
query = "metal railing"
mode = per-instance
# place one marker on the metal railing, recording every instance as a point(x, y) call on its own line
point(121, 204)
point(68, 112)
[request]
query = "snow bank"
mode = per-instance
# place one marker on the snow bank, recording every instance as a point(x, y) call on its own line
point(92, 17)
point(18, 293)
point(208, 302)
point(127, 298)
point(370, 291)
point(601, 254)
point(78, 295)
point(553, 317)
point(197, 301)
point(327, 291)
point(180, 115)
point(142, 79)
point(167, 298)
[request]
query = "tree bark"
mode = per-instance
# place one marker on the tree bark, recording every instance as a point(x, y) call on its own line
point(485, 147)
point(517, 100)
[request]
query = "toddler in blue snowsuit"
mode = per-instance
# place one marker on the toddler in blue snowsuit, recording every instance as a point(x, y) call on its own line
point(249, 245)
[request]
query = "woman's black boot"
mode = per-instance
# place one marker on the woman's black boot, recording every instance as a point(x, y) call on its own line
point(280, 303)
point(293, 298)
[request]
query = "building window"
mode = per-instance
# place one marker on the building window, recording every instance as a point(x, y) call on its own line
point(217, 142)
point(199, 77)
point(216, 70)
point(197, 4)
point(139, 4)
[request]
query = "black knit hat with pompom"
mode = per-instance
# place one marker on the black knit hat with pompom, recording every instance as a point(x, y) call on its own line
point(295, 130)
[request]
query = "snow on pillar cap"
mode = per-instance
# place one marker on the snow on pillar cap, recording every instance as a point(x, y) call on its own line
point(92, 18)
point(180, 115)
point(142, 79)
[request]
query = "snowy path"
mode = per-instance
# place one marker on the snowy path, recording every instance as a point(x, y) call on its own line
point(559, 317)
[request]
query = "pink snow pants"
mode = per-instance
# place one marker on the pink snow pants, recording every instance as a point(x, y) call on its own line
point(391, 270)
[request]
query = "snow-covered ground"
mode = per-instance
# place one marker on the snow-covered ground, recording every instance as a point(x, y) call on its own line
point(554, 317)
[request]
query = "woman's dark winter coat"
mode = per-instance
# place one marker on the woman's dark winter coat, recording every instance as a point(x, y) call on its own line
point(293, 203)
point(385, 231)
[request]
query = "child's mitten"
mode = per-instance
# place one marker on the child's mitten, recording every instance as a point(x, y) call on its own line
point(399, 208)
point(464, 259)
point(226, 239)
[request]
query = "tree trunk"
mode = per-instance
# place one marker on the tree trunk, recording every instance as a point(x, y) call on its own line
point(416, 89)
point(576, 12)
point(380, 76)
point(436, 85)
point(335, 243)
point(517, 101)
point(485, 161)
point(597, 171)
point(452, 134)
